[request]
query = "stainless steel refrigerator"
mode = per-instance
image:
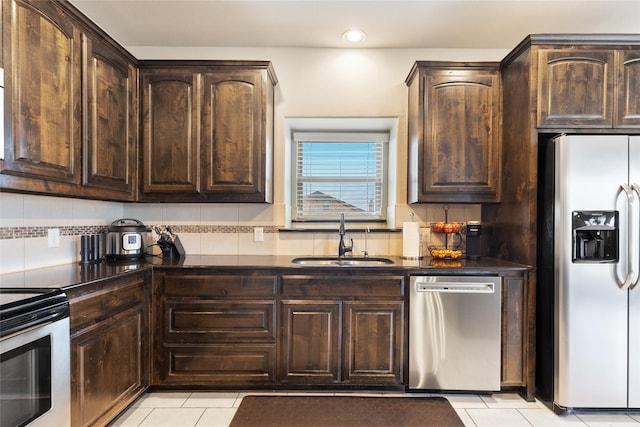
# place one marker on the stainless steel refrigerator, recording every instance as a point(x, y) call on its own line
point(588, 291)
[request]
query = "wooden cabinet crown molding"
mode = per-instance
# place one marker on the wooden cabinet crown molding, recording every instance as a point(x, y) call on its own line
point(203, 65)
point(616, 41)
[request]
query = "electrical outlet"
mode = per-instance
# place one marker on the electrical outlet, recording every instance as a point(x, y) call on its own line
point(425, 234)
point(258, 234)
point(53, 235)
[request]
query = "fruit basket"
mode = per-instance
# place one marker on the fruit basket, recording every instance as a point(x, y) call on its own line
point(450, 250)
point(446, 227)
point(442, 252)
point(445, 263)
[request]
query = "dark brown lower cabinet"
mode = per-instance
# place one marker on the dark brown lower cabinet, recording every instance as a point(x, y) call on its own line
point(265, 328)
point(310, 342)
point(109, 346)
point(214, 329)
point(518, 335)
point(344, 330)
point(372, 340)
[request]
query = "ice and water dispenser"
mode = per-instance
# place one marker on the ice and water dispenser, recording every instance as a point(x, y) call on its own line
point(595, 236)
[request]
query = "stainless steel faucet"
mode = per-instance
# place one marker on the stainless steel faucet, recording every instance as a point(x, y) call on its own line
point(342, 248)
point(367, 230)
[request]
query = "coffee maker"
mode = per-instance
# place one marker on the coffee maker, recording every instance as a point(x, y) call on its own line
point(473, 239)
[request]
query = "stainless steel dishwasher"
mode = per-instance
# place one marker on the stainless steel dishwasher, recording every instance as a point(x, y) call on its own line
point(454, 333)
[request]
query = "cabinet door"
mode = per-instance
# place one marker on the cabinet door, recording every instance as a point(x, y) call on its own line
point(515, 334)
point(170, 134)
point(628, 89)
point(235, 136)
point(43, 89)
point(309, 350)
point(575, 88)
point(110, 356)
point(110, 160)
point(373, 344)
point(461, 144)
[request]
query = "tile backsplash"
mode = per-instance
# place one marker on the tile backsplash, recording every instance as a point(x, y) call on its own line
point(226, 229)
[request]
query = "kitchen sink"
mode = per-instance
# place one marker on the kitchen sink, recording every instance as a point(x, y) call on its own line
point(335, 261)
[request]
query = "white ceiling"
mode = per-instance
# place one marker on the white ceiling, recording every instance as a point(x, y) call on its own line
point(387, 23)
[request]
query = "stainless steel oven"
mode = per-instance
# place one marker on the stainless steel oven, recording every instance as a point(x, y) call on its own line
point(34, 358)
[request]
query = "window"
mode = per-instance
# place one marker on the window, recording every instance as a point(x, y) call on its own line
point(339, 172)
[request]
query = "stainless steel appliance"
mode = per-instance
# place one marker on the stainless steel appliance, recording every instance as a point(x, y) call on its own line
point(2, 112)
point(34, 357)
point(588, 298)
point(126, 239)
point(454, 333)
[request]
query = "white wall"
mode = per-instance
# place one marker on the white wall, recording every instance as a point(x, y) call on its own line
point(312, 83)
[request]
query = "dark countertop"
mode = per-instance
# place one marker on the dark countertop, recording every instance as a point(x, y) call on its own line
point(427, 264)
point(70, 275)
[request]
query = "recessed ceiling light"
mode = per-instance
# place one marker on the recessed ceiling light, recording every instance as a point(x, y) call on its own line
point(354, 36)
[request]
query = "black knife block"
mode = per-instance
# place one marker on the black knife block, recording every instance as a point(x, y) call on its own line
point(171, 249)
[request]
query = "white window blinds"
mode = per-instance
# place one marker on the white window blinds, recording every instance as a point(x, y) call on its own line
point(339, 172)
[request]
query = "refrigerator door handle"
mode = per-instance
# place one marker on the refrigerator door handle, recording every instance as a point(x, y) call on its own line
point(628, 280)
point(634, 234)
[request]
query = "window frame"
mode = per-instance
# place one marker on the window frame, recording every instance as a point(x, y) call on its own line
point(347, 136)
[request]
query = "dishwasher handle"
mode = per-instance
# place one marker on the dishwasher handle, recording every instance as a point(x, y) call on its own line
point(457, 287)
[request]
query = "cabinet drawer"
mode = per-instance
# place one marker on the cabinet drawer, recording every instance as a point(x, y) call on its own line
point(96, 303)
point(219, 286)
point(235, 364)
point(209, 321)
point(345, 287)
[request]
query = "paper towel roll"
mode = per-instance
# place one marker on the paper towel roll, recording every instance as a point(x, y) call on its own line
point(411, 240)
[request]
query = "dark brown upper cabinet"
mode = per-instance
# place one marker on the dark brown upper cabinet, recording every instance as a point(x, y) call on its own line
point(627, 89)
point(42, 59)
point(170, 141)
point(576, 88)
point(110, 107)
point(454, 132)
point(588, 87)
point(238, 134)
point(207, 131)
point(70, 105)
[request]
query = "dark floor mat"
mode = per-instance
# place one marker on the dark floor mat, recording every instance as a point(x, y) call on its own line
point(347, 411)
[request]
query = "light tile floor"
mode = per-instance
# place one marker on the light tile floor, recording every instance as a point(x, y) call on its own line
point(216, 409)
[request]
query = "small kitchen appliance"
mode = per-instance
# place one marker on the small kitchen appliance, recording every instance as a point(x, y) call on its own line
point(473, 239)
point(126, 239)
